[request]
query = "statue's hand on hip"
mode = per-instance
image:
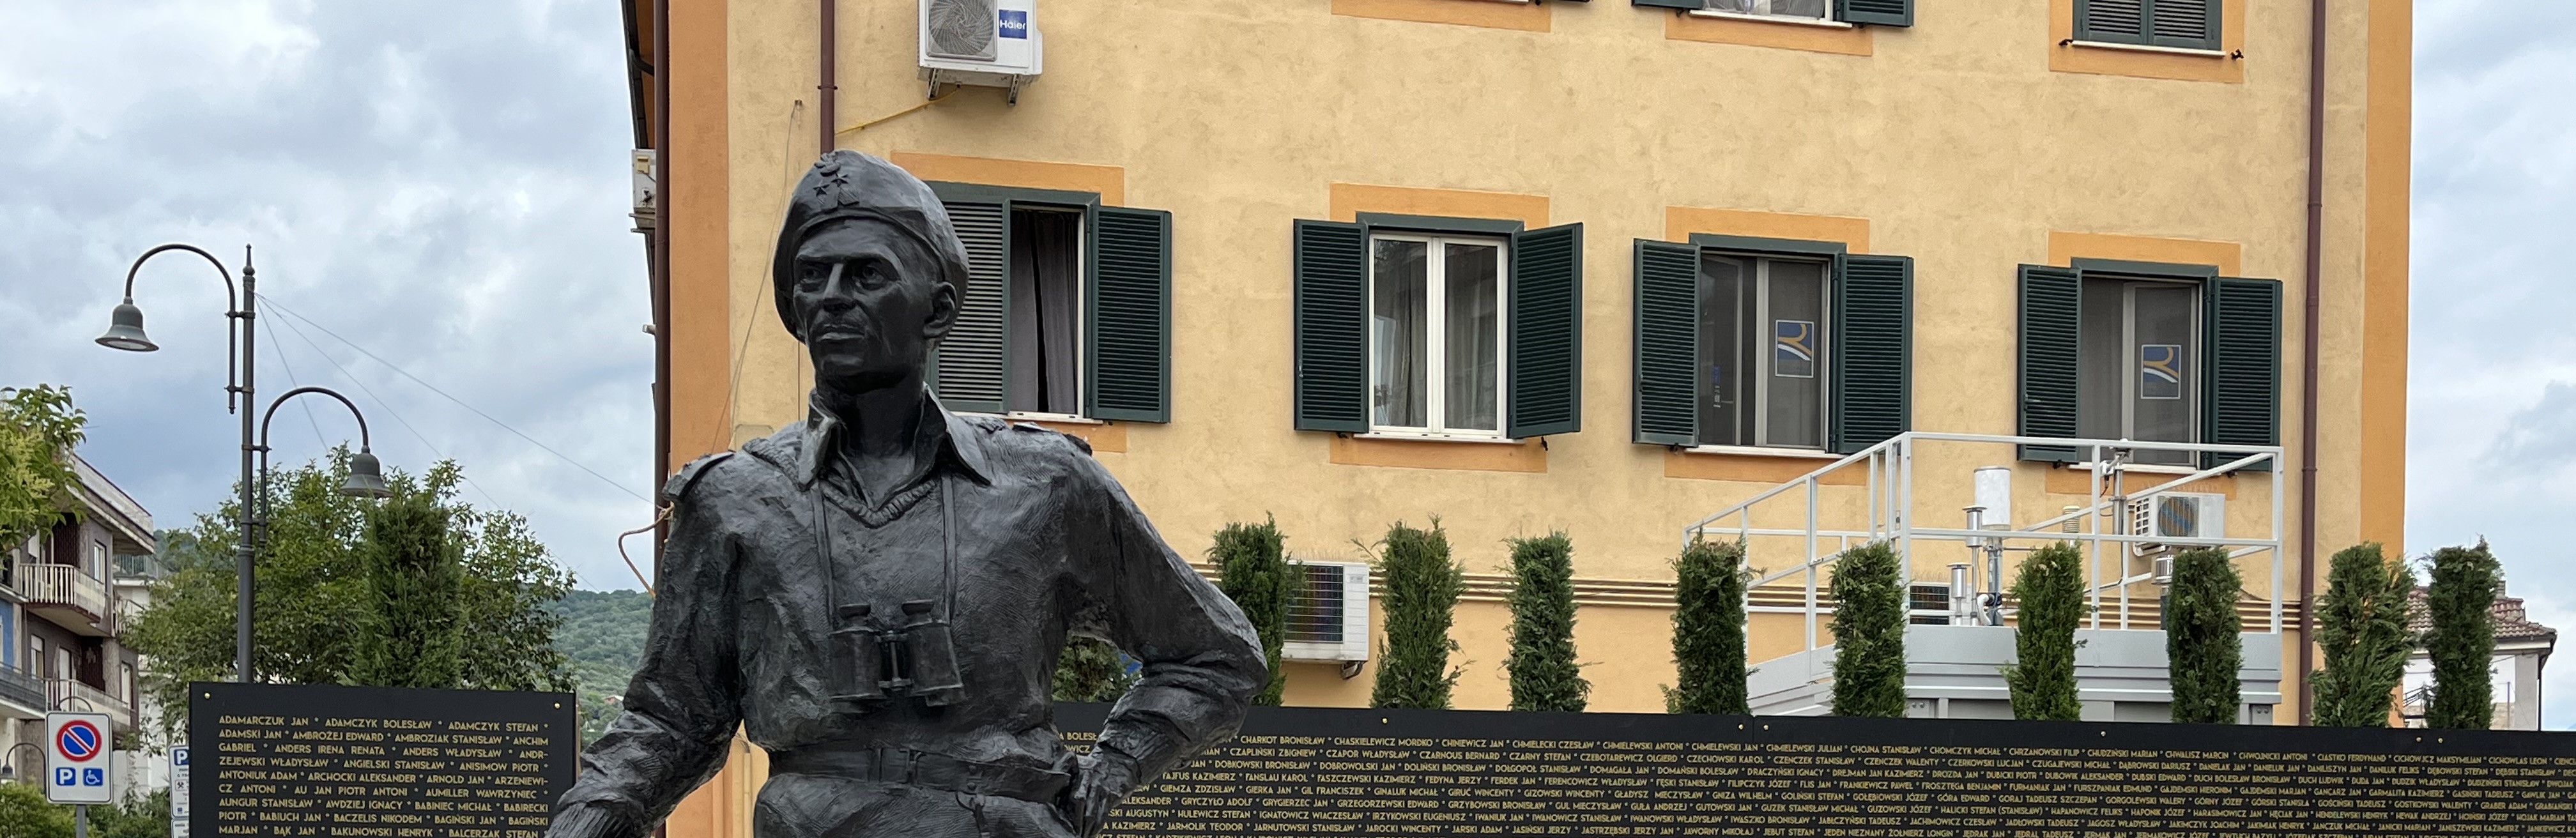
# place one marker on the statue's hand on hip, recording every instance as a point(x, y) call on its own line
point(1101, 779)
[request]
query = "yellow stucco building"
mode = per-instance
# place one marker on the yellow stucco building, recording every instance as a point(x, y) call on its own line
point(1601, 267)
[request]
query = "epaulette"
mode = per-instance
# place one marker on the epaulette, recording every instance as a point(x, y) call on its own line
point(679, 482)
point(1078, 442)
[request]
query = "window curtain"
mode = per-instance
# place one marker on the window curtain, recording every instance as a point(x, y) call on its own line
point(1046, 323)
point(1401, 317)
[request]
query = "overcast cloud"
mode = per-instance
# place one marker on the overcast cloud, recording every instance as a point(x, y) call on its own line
point(444, 183)
point(441, 183)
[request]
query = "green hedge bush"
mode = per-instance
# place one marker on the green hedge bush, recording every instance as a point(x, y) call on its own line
point(1708, 630)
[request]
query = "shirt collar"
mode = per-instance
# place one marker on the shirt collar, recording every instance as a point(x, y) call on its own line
point(959, 441)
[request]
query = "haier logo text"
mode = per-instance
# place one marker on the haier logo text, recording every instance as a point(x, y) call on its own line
point(1015, 23)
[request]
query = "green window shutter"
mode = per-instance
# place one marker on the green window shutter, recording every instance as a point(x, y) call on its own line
point(2051, 299)
point(1875, 12)
point(1671, 4)
point(1873, 339)
point(1546, 333)
point(1667, 344)
point(1332, 326)
point(2184, 24)
point(970, 361)
point(2241, 404)
point(1131, 315)
point(2111, 21)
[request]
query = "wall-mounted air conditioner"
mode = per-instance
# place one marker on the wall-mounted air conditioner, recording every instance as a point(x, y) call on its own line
point(1328, 612)
point(993, 43)
point(2177, 515)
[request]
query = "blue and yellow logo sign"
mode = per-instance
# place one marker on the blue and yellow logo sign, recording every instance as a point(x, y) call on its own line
point(2160, 371)
point(1793, 353)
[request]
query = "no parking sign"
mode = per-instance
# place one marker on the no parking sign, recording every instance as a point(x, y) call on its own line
point(76, 758)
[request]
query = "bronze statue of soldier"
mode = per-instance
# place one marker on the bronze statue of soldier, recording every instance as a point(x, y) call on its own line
point(877, 595)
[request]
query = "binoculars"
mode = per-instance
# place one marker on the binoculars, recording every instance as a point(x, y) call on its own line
point(882, 660)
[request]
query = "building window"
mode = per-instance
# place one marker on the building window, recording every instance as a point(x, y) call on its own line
point(2179, 24)
point(1763, 351)
point(1046, 311)
point(40, 660)
point(1435, 334)
point(1447, 327)
point(1773, 343)
point(1810, 9)
point(2148, 352)
point(2140, 364)
point(1067, 307)
point(97, 568)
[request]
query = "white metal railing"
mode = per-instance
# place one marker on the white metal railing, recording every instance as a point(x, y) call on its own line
point(68, 694)
point(62, 584)
point(1892, 494)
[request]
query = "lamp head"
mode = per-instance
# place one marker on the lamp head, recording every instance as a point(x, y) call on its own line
point(366, 478)
point(125, 330)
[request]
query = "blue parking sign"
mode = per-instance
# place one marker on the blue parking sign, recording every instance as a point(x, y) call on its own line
point(93, 776)
point(66, 776)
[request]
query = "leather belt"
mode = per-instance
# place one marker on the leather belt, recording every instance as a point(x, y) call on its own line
point(925, 769)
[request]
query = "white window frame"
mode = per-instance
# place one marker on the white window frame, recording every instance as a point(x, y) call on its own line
point(2129, 360)
point(1436, 335)
point(1081, 318)
point(1761, 273)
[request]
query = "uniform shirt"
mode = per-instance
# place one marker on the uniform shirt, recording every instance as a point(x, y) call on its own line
point(1046, 542)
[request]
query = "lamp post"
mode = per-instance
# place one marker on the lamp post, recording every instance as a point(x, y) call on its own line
point(366, 476)
point(9, 760)
point(125, 332)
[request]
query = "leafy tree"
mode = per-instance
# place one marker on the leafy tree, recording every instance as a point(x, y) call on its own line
point(313, 591)
point(1252, 569)
point(413, 573)
point(38, 425)
point(1544, 673)
point(1869, 633)
point(1708, 630)
point(1090, 670)
point(602, 639)
point(2050, 590)
point(2461, 603)
point(141, 816)
point(2202, 648)
point(1422, 586)
point(2361, 623)
point(24, 813)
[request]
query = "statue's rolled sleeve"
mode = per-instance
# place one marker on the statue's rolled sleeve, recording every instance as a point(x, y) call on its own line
point(1201, 661)
point(684, 703)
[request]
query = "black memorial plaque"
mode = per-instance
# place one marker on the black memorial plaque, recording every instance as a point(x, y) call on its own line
point(373, 762)
point(1316, 771)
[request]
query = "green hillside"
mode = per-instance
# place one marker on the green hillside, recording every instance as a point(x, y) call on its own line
point(603, 636)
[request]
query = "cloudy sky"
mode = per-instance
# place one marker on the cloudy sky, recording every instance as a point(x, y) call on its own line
point(444, 185)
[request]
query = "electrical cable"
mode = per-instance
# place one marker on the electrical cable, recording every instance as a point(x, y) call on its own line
point(459, 402)
point(388, 406)
point(291, 379)
point(658, 518)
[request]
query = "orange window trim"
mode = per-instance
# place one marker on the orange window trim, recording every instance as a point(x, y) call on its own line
point(1109, 181)
point(1755, 468)
point(1710, 29)
point(1681, 222)
point(2067, 57)
point(1531, 16)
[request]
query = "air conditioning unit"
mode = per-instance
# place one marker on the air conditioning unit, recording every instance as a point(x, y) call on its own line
point(1328, 612)
point(992, 43)
point(2177, 515)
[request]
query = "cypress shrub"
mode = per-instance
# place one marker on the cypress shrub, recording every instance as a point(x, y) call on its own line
point(415, 578)
point(1422, 584)
point(2461, 603)
point(1708, 630)
point(2202, 649)
point(1869, 633)
point(2361, 623)
point(1543, 671)
point(1252, 569)
point(2050, 590)
point(1090, 670)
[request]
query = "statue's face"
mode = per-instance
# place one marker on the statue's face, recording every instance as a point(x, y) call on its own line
point(869, 301)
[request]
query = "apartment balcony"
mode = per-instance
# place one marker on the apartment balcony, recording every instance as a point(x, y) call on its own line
point(22, 695)
point(67, 694)
point(69, 598)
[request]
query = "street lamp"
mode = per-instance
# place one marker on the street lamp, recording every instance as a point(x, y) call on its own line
point(125, 331)
point(9, 760)
point(366, 475)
